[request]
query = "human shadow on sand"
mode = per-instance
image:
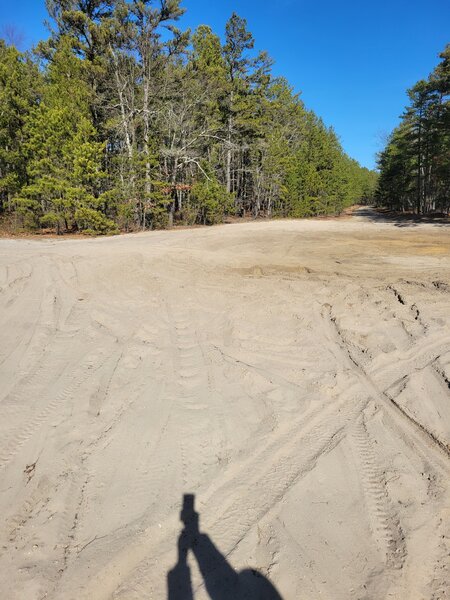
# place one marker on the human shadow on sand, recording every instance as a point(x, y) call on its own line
point(222, 582)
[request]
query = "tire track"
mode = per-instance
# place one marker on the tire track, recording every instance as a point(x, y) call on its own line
point(423, 442)
point(385, 523)
point(271, 471)
point(414, 358)
point(16, 438)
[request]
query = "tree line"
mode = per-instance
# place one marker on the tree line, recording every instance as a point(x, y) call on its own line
point(121, 121)
point(415, 165)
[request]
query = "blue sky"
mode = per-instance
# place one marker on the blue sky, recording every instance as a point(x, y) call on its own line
point(352, 61)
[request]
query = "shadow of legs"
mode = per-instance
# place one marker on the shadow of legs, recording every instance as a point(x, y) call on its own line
point(222, 582)
point(179, 578)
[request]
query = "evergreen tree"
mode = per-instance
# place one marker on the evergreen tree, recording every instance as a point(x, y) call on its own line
point(415, 165)
point(19, 92)
point(130, 123)
point(64, 170)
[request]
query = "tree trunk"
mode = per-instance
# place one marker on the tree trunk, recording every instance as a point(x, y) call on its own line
point(123, 115)
point(229, 149)
point(146, 109)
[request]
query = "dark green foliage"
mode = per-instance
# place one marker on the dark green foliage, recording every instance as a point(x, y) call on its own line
point(64, 159)
point(92, 222)
point(19, 92)
point(210, 202)
point(132, 124)
point(415, 165)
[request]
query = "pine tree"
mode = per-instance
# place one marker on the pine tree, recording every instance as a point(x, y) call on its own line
point(64, 170)
point(128, 125)
point(20, 83)
point(415, 165)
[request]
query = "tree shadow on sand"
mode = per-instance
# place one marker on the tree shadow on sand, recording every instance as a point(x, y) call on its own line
point(222, 582)
point(399, 219)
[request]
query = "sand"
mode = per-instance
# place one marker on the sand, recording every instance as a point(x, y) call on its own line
point(293, 375)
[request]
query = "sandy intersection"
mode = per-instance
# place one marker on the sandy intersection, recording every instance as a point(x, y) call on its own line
point(293, 375)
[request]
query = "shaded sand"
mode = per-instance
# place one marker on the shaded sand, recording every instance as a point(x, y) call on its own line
point(293, 375)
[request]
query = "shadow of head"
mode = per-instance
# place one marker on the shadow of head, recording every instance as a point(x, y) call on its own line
point(220, 579)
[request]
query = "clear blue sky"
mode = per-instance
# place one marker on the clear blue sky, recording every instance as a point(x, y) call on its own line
point(352, 60)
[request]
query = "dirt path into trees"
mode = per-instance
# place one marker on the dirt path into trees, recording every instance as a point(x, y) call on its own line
point(293, 375)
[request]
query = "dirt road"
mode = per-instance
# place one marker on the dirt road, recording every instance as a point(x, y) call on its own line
point(293, 375)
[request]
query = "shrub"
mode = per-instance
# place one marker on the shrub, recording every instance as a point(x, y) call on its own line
point(211, 201)
point(92, 222)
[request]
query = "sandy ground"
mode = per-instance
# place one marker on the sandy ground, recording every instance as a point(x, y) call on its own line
point(293, 375)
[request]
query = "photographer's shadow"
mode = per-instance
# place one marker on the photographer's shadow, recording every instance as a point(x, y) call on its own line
point(222, 582)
